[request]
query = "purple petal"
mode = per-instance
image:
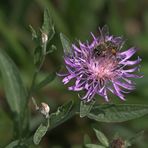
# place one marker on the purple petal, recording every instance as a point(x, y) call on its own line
point(102, 89)
point(75, 88)
point(68, 61)
point(109, 38)
point(82, 46)
point(78, 83)
point(127, 80)
point(105, 95)
point(70, 70)
point(131, 70)
point(127, 75)
point(76, 48)
point(67, 79)
point(125, 85)
point(89, 92)
point(93, 45)
point(61, 74)
point(95, 39)
point(129, 63)
point(129, 53)
point(117, 91)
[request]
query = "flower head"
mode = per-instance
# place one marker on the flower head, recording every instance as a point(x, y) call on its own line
point(100, 67)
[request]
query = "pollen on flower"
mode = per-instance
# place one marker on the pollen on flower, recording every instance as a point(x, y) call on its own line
point(101, 67)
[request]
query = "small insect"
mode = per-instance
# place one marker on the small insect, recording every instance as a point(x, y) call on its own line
point(111, 47)
point(98, 50)
point(105, 47)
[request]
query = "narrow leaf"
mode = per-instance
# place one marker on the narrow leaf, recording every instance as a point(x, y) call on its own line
point(102, 138)
point(65, 43)
point(117, 113)
point(12, 144)
point(16, 144)
point(94, 146)
point(34, 33)
point(14, 89)
point(47, 23)
point(135, 137)
point(85, 108)
point(46, 81)
point(87, 139)
point(48, 27)
point(40, 132)
point(62, 114)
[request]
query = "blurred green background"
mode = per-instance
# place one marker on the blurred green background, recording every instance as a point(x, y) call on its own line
point(76, 19)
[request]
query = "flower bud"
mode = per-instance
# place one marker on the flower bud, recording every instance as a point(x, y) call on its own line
point(118, 143)
point(45, 109)
point(44, 38)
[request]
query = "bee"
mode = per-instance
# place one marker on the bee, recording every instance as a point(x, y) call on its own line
point(105, 47)
point(111, 47)
point(98, 50)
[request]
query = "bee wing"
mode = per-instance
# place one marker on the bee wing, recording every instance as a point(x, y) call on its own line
point(104, 32)
point(120, 42)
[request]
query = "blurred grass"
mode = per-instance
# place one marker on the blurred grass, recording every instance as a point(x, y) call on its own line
point(76, 19)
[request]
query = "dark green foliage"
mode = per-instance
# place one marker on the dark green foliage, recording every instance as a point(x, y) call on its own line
point(118, 112)
point(85, 108)
point(15, 92)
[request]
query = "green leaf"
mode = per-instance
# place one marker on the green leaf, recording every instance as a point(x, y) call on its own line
point(117, 113)
point(12, 144)
point(38, 55)
point(34, 33)
point(48, 27)
point(62, 114)
point(16, 144)
point(59, 21)
point(47, 22)
point(14, 89)
point(85, 108)
point(102, 138)
point(15, 93)
point(65, 43)
point(94, 146)
point(135, 137)
point(40, 132)
point(51, 49)
point(87, 139)
point(46, 81)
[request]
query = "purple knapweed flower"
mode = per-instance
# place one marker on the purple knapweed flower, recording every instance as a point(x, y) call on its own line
point(101, 67)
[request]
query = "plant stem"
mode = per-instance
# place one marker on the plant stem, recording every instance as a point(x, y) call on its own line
point(35, 75)
point(32, 84)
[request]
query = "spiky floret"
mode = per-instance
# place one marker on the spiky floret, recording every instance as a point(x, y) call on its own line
point(101, 66)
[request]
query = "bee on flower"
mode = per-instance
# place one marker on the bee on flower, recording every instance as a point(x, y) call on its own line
point(101, 67)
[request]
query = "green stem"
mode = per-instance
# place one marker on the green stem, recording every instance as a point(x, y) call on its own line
point(36, 72)
point(32, 84)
